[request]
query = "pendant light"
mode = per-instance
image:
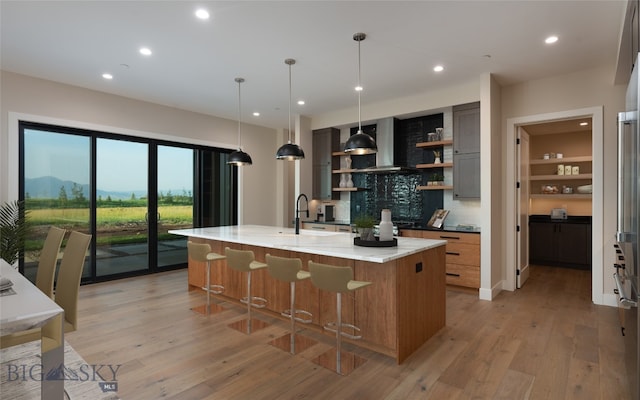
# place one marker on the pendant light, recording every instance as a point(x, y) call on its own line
point(239, 157)
point(360, 143)
point(290, 151)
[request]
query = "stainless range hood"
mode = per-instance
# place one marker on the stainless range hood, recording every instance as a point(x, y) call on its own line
point(384, 156)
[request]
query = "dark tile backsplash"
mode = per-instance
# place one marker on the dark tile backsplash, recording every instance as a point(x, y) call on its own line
point(395, 191)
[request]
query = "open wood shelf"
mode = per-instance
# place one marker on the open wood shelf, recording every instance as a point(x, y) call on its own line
point(441, 165)
point(559, 177)
point(435, 187)
point(561, 160)
point(572, 196)
point(348, 189)
point(434, 144)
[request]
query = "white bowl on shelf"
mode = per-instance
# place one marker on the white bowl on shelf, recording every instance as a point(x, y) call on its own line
point(585, 189)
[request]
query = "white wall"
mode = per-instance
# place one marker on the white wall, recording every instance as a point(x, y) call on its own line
point(51, 101)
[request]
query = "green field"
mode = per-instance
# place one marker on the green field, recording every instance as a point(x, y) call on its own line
point(112, 216)
point(115, 225)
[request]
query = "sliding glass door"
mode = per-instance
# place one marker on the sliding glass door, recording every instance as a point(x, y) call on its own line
point(128, 192)
point(175, 202)
point(122, 206)
point(55, 185)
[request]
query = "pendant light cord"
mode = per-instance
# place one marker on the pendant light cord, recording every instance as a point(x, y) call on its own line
point(239, 80)
point(359, 90)
point(289, 102)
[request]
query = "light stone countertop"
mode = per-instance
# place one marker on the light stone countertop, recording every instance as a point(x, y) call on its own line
point(333, 244)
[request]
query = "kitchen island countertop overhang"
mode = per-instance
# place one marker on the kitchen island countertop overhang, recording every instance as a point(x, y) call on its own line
point(332, 244)
point(402, 309)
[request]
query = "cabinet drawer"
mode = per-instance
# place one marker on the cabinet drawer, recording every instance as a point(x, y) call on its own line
point(463, 253)
point(412, 233)
point(463, 275)
point(318, 227)
point(453, 237)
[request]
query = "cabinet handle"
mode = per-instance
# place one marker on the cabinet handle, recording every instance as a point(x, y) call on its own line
point(449, 237)
point(450, 274)
point(318, 227)
point(451, 253)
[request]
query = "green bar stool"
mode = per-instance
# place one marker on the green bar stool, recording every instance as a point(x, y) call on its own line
point(290, 270)
point(201, 252)
point(338, 280)
point(244, 261)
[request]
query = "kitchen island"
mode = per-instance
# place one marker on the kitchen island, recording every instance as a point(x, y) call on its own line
point(400, 311)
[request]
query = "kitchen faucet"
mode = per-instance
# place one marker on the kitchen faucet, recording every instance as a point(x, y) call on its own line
point(298, 211)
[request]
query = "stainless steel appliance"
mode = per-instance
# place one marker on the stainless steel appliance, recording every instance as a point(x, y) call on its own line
point(326, 213)
point(558, 213)
point(628, 222)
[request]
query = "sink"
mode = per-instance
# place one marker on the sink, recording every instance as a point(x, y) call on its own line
point(304, 232)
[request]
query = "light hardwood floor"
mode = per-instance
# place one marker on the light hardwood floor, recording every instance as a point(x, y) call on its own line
point(545, 341)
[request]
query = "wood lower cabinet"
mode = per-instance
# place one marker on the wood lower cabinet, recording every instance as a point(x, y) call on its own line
point(462, 255)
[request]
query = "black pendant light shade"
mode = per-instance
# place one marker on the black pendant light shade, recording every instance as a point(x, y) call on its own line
point(239, 157)
point(360, 143)
point(290, 151)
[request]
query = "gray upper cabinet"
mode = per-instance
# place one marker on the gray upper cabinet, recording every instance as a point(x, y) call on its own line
point(325, 141)
point(466, 128)
point(466, 176)
point(466, 151)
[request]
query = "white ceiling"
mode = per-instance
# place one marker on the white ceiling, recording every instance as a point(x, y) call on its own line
point(194, 62)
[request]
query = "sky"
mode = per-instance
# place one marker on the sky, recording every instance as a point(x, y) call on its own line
point(121, 165)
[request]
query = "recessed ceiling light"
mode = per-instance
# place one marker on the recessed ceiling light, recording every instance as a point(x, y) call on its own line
point(551, 39)
point(584, 123)
point(438, 68)
point(145, 51)
point(300, 102)
point(202, 13)
point(358, 88)
point(256, 114)
point(107, 76)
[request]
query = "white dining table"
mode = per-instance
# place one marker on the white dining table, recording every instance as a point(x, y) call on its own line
point(29, 308)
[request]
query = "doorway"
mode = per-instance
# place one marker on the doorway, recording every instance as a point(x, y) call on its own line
point(555, 160)
point(512, 205)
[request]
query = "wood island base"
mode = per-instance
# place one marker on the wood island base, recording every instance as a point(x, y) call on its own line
point(400, 311)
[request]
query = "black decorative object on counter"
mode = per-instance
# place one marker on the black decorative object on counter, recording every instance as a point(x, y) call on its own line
point(375, 243)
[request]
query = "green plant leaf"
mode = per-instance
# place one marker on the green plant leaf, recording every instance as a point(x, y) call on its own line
point(364, 221)
point(13, 230)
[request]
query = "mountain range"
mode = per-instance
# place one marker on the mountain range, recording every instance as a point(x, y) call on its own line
point(48, 187)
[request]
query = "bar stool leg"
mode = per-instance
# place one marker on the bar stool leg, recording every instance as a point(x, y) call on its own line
point(293, 317)
point(218, 290)
point(302, 343)
point(249, 302)
point(208, 287)
point(339, 333)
